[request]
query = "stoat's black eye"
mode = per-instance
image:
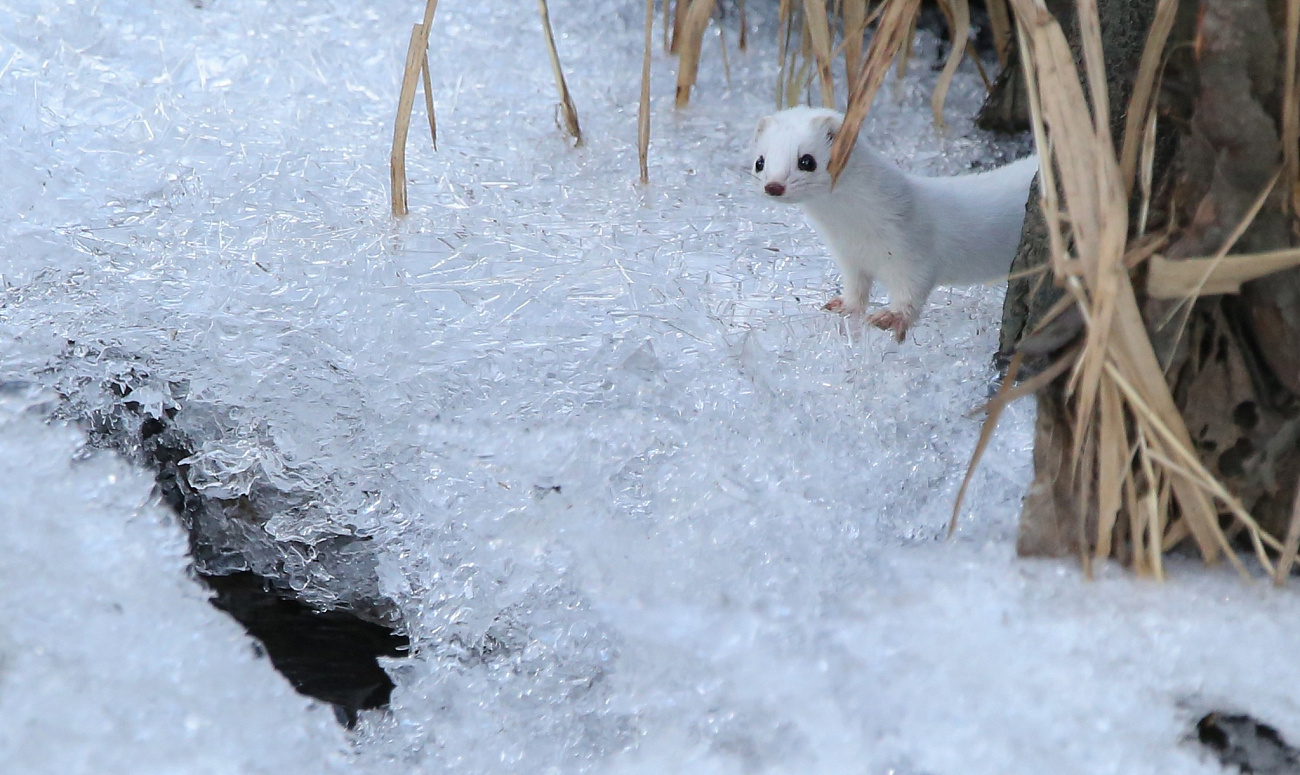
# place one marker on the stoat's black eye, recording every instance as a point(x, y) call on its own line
point(807, 163)
point(758, 165)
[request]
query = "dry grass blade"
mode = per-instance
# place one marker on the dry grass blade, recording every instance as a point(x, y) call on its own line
point(1146, 168)
point(979, 66)
point(1047, 170)
point(567, 109)
point(1291, 108)
point(1142, 103)
point(1195, 277)
point(1211, 268)
point(1039, 381)
point(643, 110)
point(819, 31)
point(958, 13)
point(1112, 463)
point(1089, 180)
point(855, 27)
point(726, 65)
point(1094, 63)
point(1191, 483)
point(417, 64)
point(1138, 366)
point(891, 34)
point(1143, 248)
point(667, 26)
point(785, 27)
point(688, 47)
point(743, 44)
point(1000, 23)
point(430, 7)
point(995, 408)
point(428, 100)
point(905, 57)
point(1151, 525)
point(402, 126)
point(1196, 476)
point(1007, 394)
point(679, 19)
point(1291, 545)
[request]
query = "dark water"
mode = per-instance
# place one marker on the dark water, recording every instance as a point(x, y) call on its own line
point(329, 655)
point(1246, 745)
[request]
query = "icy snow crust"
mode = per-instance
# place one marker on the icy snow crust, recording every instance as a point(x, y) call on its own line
point(641, 505)
point(111, 661)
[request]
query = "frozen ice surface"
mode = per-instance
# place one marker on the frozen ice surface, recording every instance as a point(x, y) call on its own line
point(640, 504)
point(111, 660)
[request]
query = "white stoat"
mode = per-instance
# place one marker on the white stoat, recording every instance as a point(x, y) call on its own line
point(909, 232)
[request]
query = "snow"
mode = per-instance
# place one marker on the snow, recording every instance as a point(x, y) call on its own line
point(641, 506)
point(111, 660)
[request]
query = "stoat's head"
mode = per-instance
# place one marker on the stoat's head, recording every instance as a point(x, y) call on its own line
point(791, 150)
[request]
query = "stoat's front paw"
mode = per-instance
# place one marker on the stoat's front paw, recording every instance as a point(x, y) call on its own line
point(838, 304)
point(890, 320)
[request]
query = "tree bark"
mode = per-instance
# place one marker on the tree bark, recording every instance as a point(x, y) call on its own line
point(1233, 361)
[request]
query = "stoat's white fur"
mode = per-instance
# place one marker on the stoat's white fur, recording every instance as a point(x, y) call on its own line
point(909, 232)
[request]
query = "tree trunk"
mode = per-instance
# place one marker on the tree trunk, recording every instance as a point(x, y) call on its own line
point(1233, 362)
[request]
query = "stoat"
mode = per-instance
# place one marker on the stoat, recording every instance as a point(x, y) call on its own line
point(909, 232)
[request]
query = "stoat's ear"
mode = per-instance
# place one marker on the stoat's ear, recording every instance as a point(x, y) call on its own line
point(762, 124)
point(830, 124)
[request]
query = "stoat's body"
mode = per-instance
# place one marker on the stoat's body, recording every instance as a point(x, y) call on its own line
point(909, 232)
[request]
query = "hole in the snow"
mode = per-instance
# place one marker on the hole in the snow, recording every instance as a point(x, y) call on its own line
point(1249, 745)
point(329, 655)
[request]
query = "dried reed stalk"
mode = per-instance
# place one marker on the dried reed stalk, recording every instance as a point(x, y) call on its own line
point(1142, 103)
point(892, 33)
point(900, 70)
point(799, 77)
point(567, 109)
point(743, 45)
point(1211, 269)
point(785, 24)
point(643, 110)
point(855, 28)
point(1291, 546)
point(1000, 23)
point(417, 64)
point(668, 46)
point(679, 19)
point(1191, 278)
point(958, 14)
point(428, 102)
point(691, 40)
point(819, 31)
point(1291, 109)
point(726, 65)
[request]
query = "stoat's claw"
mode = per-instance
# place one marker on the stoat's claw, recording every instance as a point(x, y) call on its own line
point(835, 305)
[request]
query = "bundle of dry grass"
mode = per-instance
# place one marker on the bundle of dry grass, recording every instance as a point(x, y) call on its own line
point(1133, 462)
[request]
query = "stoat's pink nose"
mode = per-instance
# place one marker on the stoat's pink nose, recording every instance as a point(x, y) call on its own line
point(774, 189)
